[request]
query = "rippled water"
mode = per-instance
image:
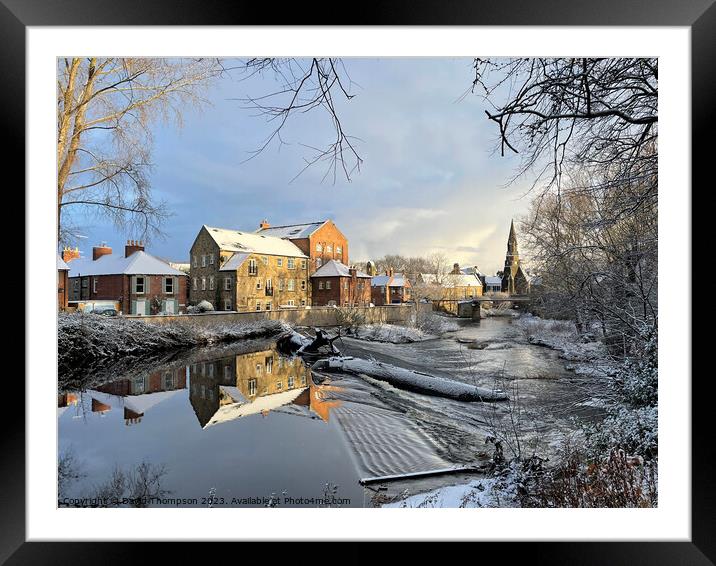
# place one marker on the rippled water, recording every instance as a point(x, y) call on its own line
point(245, 422)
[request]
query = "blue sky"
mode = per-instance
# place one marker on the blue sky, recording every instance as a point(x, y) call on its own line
point(430, 179)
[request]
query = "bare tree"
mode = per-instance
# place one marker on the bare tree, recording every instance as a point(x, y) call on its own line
point(306, 85)
point(105, 110)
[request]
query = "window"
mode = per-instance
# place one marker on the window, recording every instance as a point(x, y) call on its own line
point(303, 302)
point(319, 248)
point(211, 370)
point(329, 248)
point(94, 284)
point(268, 362)
point(227, 304)
point(268, 305)
point(252, 387)
point(85, 283)
point(291, 382)
point(291, 263)
point(290, 284)
point(259, 284)
point(259, 369)
point(139, 285)
point(339, 250)
point(194, 263)
point(258, 305)
point(319, 262)
point(303, 284)
point(303, 379)
point(211, 259)
point(279, 261)
point(280, 284)
point(291, 303)
point(320, 284)
point(345, 284)
point(203, 260)
point(196, 284)
point(303, 264)
point(168, 285)
point(227, 283)
point(253, 268)
point(203, 283)
point(279, 385)
point(328, 284)
point(211, 283)
point(264, 259)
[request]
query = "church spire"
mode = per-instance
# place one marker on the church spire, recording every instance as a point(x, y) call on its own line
point(512, 239)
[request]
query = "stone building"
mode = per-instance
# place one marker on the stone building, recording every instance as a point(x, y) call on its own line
point(247, 271)
point(514, 280)
point(320, 241)
point(137, 282)
point(335, 284)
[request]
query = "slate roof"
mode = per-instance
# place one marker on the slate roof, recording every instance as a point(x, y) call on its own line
point(292, 231)
point(251, 242)
point(335, 268)
point(139, 263)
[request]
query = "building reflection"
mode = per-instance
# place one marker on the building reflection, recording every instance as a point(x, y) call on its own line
point(134, 397)
point(253, 383)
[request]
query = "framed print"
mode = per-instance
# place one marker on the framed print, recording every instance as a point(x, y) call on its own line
point(394, 279)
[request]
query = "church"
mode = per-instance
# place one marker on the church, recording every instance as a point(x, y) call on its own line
point(514, 279)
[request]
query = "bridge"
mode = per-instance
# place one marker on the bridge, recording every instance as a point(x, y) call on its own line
point(470, 308)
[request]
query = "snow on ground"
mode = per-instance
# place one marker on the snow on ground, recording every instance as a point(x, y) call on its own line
point(389, 333)
point(84, 338)
point(588, 357)
point(486, 492)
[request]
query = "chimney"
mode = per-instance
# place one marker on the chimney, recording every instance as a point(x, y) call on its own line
point(68, 254)
point(456, 269)
point(353, 272)
point(133, 246)
point(99, 251)
point(264, 224)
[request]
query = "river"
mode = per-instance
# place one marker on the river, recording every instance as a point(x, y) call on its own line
point(246, 426)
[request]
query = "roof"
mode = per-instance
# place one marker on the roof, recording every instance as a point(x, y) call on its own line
point(237, 241)
point(395, 280)
point(335, 268)
point(139, 263)
point(234, 262)
point(61, 265)
point(493, 280)
point(292, 231)
point(240, 408)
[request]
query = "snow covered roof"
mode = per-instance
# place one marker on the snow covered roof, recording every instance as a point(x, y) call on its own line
point(139, 263)
point(493, 280)
point(452, 280)
point(237, 241)
point(292, 231)
point(234, 262)
point(395, 280)
point(61, 265)
point(335, 268)
point(471, 270)
point(137, 403)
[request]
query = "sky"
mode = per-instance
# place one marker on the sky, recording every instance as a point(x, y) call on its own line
point(430, 181)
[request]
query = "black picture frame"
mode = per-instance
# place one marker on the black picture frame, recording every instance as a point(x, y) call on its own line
point(699, 15)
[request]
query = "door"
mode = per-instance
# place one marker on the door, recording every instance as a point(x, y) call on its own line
point(169, 307)
point(141, 306)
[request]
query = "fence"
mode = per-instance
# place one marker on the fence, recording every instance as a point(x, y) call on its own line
point(313, 316)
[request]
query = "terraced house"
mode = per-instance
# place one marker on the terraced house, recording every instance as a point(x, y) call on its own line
point(247, 271)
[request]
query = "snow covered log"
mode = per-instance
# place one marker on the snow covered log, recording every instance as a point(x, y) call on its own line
point(411, 380)
point(296, 343)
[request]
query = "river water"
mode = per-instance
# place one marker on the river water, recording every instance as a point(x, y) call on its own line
point(246, 426)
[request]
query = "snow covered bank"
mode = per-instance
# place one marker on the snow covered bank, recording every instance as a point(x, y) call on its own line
point(427, 327)
point(589, 355)
point(486, 492)
point(87, 338)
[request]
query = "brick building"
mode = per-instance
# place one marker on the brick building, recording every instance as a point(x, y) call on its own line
point(337, 284)
point(389, 289)
point(320, 241)
point(138, 281)
point(246, 271)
